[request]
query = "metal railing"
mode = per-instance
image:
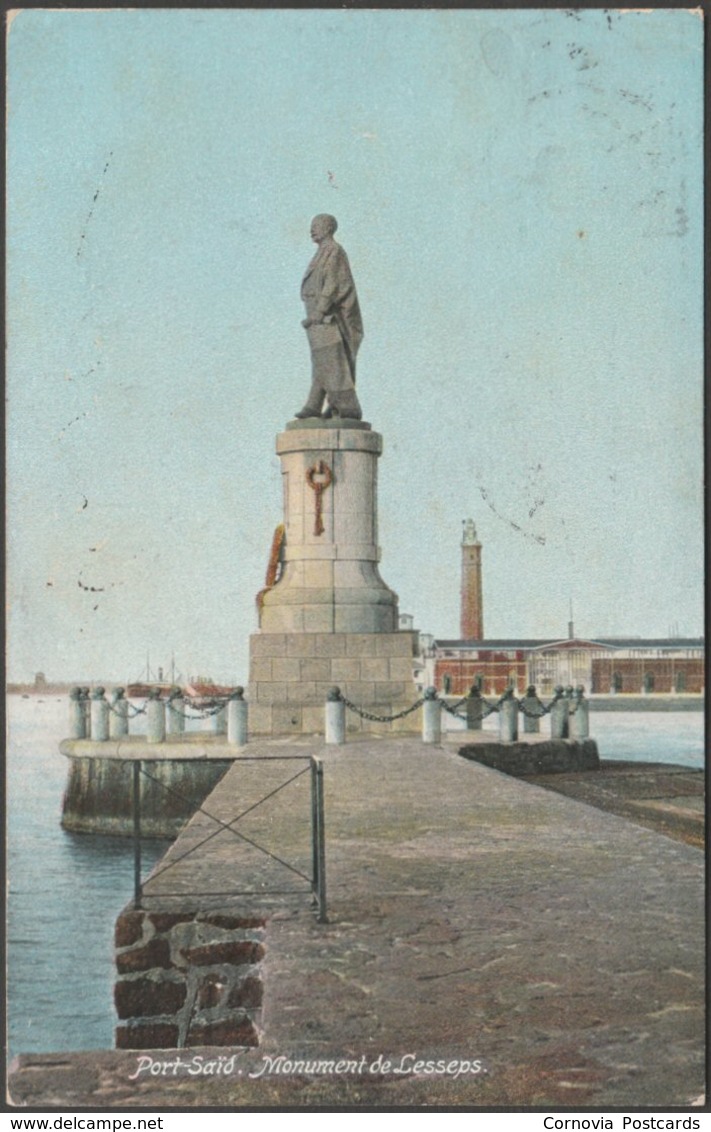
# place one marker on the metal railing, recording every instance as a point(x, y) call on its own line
point(316, 881)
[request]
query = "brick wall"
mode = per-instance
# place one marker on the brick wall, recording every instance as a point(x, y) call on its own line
point(496, 670)
point(632, 671)
point(187, 979)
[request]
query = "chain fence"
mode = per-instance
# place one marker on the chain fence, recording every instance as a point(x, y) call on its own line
point(477, 707)
point(380, 718)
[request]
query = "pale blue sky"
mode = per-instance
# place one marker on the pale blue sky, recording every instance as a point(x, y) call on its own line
point(519, 193)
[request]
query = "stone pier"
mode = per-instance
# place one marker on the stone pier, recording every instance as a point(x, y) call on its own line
point(549, 952)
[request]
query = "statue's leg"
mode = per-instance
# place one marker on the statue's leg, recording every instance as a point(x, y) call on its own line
point(345, 404)
point(314, 402)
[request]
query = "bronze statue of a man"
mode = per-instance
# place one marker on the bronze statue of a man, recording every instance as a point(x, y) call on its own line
point(333, 325)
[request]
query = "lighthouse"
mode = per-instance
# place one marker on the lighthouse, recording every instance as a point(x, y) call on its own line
point(471, 624)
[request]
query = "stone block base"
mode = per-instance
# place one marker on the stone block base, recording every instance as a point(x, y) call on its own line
point(290, 675)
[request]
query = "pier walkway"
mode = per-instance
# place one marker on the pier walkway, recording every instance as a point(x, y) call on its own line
point(473, 917)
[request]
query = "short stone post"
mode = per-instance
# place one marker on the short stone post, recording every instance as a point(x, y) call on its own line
point(99, 716)
point(218, 719)
point(118, 717)
point(155, 717)
point(559, 715)
point(531, 703)
point(174, 713)
point(580, 715)
point(77, 719)
point(508, 717)
point(237, 718)
point(431, 717)
point(475, 709)
point(86, 708)
point(335, 717)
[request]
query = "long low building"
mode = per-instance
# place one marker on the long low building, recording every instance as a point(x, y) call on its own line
point(609, 664)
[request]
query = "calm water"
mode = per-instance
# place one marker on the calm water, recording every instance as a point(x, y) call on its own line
point(65, 890)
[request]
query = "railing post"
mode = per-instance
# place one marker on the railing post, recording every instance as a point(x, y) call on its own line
point(431, 717)
point(118, 718)
point(508, 717)
point(580, 717)
point(474, 709)
point(155, 718)
point(559, 714)
point(86, 708)
point(335, 718)
point(314, 831)
point(77, 719)
point(237, 718)
point(531, 724)
point(137, 888)
point(218, 719)
point(321, 838)
point(99, 715)
point(174, 717)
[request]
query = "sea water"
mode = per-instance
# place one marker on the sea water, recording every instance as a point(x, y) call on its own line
point(66, 889)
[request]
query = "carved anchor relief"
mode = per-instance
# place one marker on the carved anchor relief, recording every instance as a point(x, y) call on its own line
point(319, 485)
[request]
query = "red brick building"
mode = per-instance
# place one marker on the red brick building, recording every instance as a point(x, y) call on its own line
point(631, 665)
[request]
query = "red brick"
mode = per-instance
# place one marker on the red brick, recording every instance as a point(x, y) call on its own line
point(129, 928)
point(210, 992)
point(247, 994)
point(234, 922)
point(153, 1035)
point(163, 921)
point(143, 998)
point(154, 954)
point(228, 951)
point(229, 1032)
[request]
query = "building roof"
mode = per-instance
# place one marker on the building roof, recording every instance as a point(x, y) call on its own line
point(509, 644)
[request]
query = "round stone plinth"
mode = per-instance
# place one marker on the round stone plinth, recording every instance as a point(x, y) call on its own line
point(330, 582)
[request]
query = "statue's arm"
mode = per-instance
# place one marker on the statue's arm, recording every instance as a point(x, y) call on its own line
point(337, 283)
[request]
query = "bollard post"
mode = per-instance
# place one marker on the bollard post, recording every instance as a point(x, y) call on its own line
point(237, 718)
point(474, 709)
point(99, 716)
point(86, 708)
point(335, 718)
point(77, 719)
point(218, 719)
point(137, 888)
point(321, 841)
point(431, 718)
point(531, 723)
point(580, 717)
point(155, 717)
point(559, 715)
point(508, 718)
point(174, 717)
point(118, 718)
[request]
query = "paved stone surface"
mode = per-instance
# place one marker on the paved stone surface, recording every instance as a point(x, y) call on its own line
point(472, 916)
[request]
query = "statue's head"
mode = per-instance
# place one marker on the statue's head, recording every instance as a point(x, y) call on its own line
point(322, 226)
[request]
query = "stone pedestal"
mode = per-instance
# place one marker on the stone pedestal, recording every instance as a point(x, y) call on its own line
point(330, 619)
point(330, 581)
